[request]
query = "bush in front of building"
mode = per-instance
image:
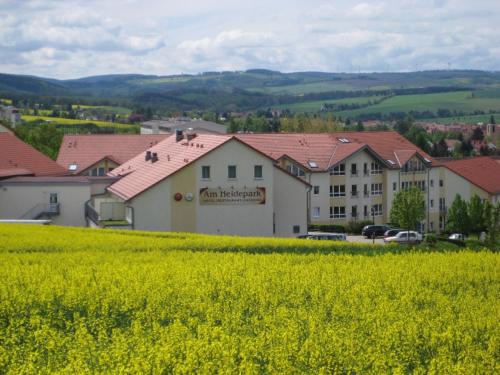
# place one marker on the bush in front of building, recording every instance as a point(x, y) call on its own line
point(328, 228)
point(355, 227)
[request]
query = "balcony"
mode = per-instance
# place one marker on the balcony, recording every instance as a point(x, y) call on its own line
point(107, 215)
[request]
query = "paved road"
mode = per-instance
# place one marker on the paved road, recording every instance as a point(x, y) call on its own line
point(364, 240)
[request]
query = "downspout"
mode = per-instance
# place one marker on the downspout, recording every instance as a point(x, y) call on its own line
point(133, 216)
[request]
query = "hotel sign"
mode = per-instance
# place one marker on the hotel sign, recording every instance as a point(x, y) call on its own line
point(228, 196)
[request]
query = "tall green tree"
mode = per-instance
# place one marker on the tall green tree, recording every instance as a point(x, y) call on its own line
point(458, 216)
point(491, 217)
point(408, 208)
point(476, 215)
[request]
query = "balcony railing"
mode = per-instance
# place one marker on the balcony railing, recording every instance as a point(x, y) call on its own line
point(91, 213)
point(354, 194)
point(41, 209)
point(366, 173)
point(366, 194)
point(354, 173)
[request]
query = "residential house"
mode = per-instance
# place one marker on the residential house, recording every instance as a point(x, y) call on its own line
point(99, 154)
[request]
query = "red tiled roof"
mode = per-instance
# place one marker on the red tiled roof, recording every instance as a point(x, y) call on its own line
point(87, 150)
point(18, 158)
point(140, 175)
point(482, 171)
point(327, 149)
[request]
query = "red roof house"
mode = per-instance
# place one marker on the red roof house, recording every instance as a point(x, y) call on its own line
point(20, 159)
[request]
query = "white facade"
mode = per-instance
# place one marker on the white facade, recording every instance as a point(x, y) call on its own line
point(25, 200)
point(284, 213)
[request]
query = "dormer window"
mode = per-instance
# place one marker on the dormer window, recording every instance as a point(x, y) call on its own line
point(73, 167)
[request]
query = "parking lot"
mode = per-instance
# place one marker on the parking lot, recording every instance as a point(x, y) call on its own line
point(362, 239)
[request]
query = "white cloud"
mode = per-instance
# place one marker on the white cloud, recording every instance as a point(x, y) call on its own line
point(74, 38)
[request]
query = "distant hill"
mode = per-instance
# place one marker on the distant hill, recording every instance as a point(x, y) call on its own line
point(245, 90)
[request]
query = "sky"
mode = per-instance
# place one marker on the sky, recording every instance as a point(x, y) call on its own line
point(72, 38)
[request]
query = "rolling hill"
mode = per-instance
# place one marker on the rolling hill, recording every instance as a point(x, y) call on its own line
point(259, 89)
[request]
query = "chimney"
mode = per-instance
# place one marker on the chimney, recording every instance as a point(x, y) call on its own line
point(154, 157)
point(178, 135)
point(148, 155)
point(190, 134)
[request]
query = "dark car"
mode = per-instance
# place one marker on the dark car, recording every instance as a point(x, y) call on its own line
point(392, 232)
point(374, 230)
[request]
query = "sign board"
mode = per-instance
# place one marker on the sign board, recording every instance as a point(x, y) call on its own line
point(228, 196)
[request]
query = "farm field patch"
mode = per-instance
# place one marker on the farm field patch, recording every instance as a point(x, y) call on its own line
point(82, 300)
point(459, 101)
point(66, 121)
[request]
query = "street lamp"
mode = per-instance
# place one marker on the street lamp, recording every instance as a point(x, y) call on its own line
point(373, 220)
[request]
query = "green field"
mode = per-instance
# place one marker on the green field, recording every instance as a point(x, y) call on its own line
point(472, 119)
point(304, 88)
point(459, 101)
point(95, 301)
point(67, 121)
point(315, 106)
point(105, 108)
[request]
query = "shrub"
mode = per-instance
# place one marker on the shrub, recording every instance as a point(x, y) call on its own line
point(355, 227)
point(430, 239)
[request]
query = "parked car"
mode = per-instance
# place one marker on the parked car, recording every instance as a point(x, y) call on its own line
point(456, 236)
point(392, 232)
point(374, 230)
point(405, 237)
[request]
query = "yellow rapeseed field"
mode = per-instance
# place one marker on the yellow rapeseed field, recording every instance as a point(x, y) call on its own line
point(76, 301)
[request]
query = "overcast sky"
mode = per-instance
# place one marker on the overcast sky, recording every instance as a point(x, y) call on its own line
point(73, 38)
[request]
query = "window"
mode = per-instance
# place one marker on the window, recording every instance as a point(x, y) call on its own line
point(296, 229)
point(316, 190)
point(354, 169)
point(394, 186)
point(431, 226)
point(376, 168)
point(365, 211)
point(365, 190)
point(73, 167)
point(53, 198)
point(331, 191)
point(339, 170)
point(316, 212)
point(231, 171)
point(441, 222)
point(339, 190)
point(296, 171)
point(354, 211)
point(441, 183)
point(366, 172)
point(442, 205)
point(431, 203)
point(377, 209)
point(337, 212)
point(257, 171)
point(354, 190)
point(205, 172)
point(101, 171)
point(377, 189)
point(432, 183)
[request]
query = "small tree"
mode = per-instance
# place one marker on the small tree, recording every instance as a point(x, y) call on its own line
point(408, 208)
point(458, 216)
point(476, 215)
point(491, 217)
